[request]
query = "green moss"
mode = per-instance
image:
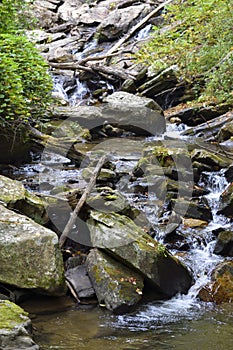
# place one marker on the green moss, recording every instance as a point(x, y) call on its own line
point(11, 315)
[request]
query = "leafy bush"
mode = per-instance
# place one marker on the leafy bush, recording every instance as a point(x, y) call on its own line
point(198, 38)
point(14, 15)
point(25, 85)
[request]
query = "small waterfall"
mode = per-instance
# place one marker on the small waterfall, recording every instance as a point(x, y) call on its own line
point(201, 261)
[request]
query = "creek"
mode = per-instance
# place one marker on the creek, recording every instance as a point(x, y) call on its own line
point(182, 322)
point(179, 323)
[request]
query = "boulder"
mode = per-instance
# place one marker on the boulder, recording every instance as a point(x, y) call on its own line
point(139, 115)
point(195, 208)
point(128, 243)
point(117, 287)
point(224, 244)
point(15, 328)
point(226, 202)
point(119, 21)
point(220, 289)
point(30, 256)
point(15, 196)
point(214, 161)
point(226, 132)
point(71, 10)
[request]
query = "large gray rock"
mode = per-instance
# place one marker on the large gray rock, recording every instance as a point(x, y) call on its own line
point(30, 256)
point(119, 21)
point(128, 243)
point(15, 196)
point(117, 287)
point(15, 328)
point(137, 114)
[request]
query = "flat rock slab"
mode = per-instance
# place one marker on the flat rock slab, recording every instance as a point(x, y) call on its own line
point(140, 115)
point(117, 287)
point(30, 256)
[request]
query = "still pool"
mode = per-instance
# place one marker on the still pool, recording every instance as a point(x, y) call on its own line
point(179, 323)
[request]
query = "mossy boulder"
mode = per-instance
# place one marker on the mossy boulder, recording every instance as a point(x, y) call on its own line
point(15, 196)
point(15, 327)
point(120, 237)
point(30, 256)
point(220, 289)
point(117, 287)
point(224, 244)
point(226, 202)
point(170, 158)
point(214, 161)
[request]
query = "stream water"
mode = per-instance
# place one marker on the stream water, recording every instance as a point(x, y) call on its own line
point(181, 323)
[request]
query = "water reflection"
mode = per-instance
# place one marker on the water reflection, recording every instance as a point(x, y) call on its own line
point(174, 324)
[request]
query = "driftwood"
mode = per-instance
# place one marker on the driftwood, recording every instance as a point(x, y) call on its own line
point(81, 201)
point(135, 28)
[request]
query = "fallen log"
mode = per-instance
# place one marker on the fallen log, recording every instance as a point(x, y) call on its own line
point(95, 69)
point(81, 201)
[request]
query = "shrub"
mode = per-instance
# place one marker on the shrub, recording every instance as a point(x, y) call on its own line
point(25, 85)
point(199, 40)
point(15, 15)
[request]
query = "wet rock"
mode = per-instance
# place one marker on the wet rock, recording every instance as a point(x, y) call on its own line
point(226, 202)
point(79, 282)
point(167, 159)
point(192, 223)
point(117, 287)
point(207, 130)
point(119, 21)
point(224, 244)
point(29, 255)
point(129, 244)
point(229, 173)
point(220, 289)
point(214, 161)
point(15, 328)
point(195, 208)
point(226, 132)
point(197, 115)
point(16, 197)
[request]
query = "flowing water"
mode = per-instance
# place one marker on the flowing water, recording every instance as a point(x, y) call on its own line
point(182, 322)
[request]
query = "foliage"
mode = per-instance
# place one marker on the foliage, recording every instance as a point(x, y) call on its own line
point(15, 15)
point(25, 85)
point(198, 38)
